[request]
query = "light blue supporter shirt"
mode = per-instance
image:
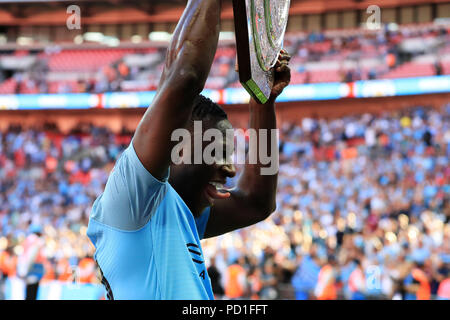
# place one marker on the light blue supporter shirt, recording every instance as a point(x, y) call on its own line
point(147, 240)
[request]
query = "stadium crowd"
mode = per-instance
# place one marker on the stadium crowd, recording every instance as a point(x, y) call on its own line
point(363, 209)
point(329, 56)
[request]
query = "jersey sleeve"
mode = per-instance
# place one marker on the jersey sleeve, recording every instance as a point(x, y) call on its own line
point(131, 194)
point(202, 222)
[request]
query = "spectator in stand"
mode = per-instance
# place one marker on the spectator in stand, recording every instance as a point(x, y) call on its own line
point(326, 288)
point(306, 276)
point(268, 282)
point(236, 280)
point(438, 68)
point(30, 264)
point(357, 282)
point(443, 292)
point(216, 281)
point(417, 284)
point(123, 70)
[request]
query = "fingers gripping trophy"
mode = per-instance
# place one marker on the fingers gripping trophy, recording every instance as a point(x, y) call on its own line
point(260, 28)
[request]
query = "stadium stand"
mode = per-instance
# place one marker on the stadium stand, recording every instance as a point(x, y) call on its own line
point(369, 188)
point(318, 57)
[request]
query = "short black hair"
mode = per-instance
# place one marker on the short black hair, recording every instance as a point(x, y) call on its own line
point(206, 109)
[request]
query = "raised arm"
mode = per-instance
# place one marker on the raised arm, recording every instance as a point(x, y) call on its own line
point(188, 63)
point(253, 200)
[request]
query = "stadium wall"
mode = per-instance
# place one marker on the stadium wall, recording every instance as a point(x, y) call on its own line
point(116, 119)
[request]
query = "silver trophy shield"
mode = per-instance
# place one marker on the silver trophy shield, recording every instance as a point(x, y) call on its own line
point(260, 28)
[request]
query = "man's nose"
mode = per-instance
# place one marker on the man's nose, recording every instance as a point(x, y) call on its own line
point(229, 170)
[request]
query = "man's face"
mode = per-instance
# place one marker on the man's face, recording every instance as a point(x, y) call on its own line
point(201, 184)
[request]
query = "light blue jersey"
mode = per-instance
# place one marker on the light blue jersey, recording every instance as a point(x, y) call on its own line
point(146, 238)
